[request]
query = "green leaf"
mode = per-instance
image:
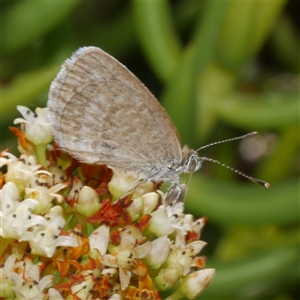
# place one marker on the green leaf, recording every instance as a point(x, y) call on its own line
point(29, 20)
point(231, 203)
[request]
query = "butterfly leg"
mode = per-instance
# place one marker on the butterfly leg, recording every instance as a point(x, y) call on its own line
point(175, 193)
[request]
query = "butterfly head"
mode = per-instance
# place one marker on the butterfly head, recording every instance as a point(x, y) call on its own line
point(191, 161)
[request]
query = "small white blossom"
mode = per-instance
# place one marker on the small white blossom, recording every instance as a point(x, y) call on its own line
point(122, 183)
point(161, 224)
point(99, 239)
point(28, 288)
point(167, 278)
point(88, 201)
point(53, 213)
point(82, 289)
point(193, 284)
point(16, 217)
point(151, 201)
point(20, 171)
point(160, 249)
point(6, 158)
point(75, 188)
point(185, 256)
point(44, 196)
point(53, 294)
point(5, 277)
point(24, 279)
point(44, 242)
point(37, 126)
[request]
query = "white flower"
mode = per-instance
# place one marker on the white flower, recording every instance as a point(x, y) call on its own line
point(185, 256)
point(160, 249)
point(24, 279)
point(99, 239)
point(127, 256)
point(161, 224)
point(193, 284)
point(58, 175)
point(44, 241)
point(143, 205)
point(16, 217)
point(167, 278)
point(88, 201)
point(20, 171)
point(53, 213)
point(75, 188)
point(53, 294)
point(44, 196)
point(37, 126)
point(122, 183)
point(82, 289)
point(150, 202)
point(6, 158)
point(5, 278)
point(28, 288)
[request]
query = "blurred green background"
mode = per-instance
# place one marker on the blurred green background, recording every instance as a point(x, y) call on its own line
point(221, 69)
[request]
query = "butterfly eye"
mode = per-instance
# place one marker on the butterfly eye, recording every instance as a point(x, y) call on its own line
point(193, 163)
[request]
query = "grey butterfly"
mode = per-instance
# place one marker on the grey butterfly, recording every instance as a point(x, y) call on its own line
point(102, 114)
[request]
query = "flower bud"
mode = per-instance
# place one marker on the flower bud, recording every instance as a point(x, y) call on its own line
point(88, 201)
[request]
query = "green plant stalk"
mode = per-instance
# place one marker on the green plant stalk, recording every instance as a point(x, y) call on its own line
point(235, 46)
point(285, 44)
point(252, 238)
point(264, 111)
point(179, 97)
point(157, 35)
point(255, 19)
point(29, 20)
point(206, 34)
point(120, 28)
point(184, 14)
point(209, 80)
point(254, 276)
point(213, 84)
point(281, 161)
point(41, 154)
point(26, 87)
point(245, 204)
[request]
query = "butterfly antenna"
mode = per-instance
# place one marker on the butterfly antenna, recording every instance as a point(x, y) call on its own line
point(190, 176)
point(255, 180)
point(248, 135)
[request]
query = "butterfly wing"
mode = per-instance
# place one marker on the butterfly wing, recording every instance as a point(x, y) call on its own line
point(102, 114)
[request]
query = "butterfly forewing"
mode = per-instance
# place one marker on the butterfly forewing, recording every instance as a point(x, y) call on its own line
point(101, 113)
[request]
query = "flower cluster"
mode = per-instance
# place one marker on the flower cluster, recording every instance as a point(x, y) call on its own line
point(74, 231)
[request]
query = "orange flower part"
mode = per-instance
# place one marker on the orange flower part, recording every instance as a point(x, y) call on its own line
point(21, 136)
point(112, 214)
point(144, 290)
